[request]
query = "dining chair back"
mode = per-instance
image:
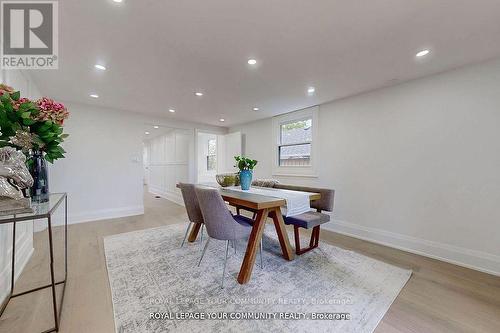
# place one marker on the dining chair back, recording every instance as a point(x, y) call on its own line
point(220, 223)
point(191, 202)
point(192, 208)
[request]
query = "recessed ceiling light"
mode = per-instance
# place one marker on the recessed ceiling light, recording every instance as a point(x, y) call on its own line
point(423, 53)
point(199, 94)
point(156, 126)
point(118, 1)
point(94, 95)
point(256, 109)
point(252, 61)
point(171, 110)
point(147, 133)
point(100, 67)
point(222, 120)
point(311, 90)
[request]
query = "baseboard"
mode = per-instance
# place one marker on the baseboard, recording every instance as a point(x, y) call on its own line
point(174, 197)
point(105, 214)
point(477, 260)
point(23, 255)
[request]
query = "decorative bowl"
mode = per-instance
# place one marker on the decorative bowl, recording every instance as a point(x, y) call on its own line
point(226, 179)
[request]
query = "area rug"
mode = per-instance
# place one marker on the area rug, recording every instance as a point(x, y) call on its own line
point(157, 286)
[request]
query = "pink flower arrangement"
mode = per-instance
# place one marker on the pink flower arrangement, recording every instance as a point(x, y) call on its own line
point(5, 89)
point(51, 110)
point(32, 126)
point(18, 103)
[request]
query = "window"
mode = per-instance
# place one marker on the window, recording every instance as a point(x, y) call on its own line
point(295, 143)
point(296, 138)
point(212, 155)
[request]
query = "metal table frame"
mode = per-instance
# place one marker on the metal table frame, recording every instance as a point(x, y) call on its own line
point(53, 284)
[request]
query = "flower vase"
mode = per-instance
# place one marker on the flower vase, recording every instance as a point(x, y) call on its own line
point(38, 168)
point(245, 179)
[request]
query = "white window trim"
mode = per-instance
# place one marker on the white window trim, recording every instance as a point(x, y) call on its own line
point(296, 171)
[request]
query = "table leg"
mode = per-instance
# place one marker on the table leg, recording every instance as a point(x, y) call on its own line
point(12, 273)
point(52, 278)
point(13, 258)
point(194, 232)
point(65, 256)
point(53, 284)
point(279, 224)
point(65, 238)
point(253, 246)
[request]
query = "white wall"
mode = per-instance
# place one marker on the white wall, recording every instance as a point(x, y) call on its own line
point(415, 166)
point(102, 171)
point(169, 159)
point(21, 81)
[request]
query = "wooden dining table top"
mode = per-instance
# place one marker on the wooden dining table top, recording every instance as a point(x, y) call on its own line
point(256, 201)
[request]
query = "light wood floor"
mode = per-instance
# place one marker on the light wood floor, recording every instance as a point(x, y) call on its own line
point(439, 297)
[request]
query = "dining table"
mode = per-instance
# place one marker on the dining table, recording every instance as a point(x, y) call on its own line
point(264, 206)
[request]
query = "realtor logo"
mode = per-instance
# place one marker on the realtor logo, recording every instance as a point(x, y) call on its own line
point(29, 35)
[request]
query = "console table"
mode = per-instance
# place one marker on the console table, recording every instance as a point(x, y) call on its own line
point(41, 212)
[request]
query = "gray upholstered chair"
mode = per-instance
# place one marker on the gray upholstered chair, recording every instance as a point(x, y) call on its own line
point(220, 223)
point(192, 207)
point(310, 220)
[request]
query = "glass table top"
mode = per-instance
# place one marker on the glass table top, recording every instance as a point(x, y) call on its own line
point(40, 210)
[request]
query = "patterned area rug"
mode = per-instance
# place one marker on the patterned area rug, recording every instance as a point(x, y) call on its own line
point(157, 287)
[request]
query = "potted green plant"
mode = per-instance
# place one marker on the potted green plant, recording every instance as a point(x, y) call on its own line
point(246, 166)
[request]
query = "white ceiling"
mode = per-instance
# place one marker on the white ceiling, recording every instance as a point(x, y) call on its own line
point(159, 52)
